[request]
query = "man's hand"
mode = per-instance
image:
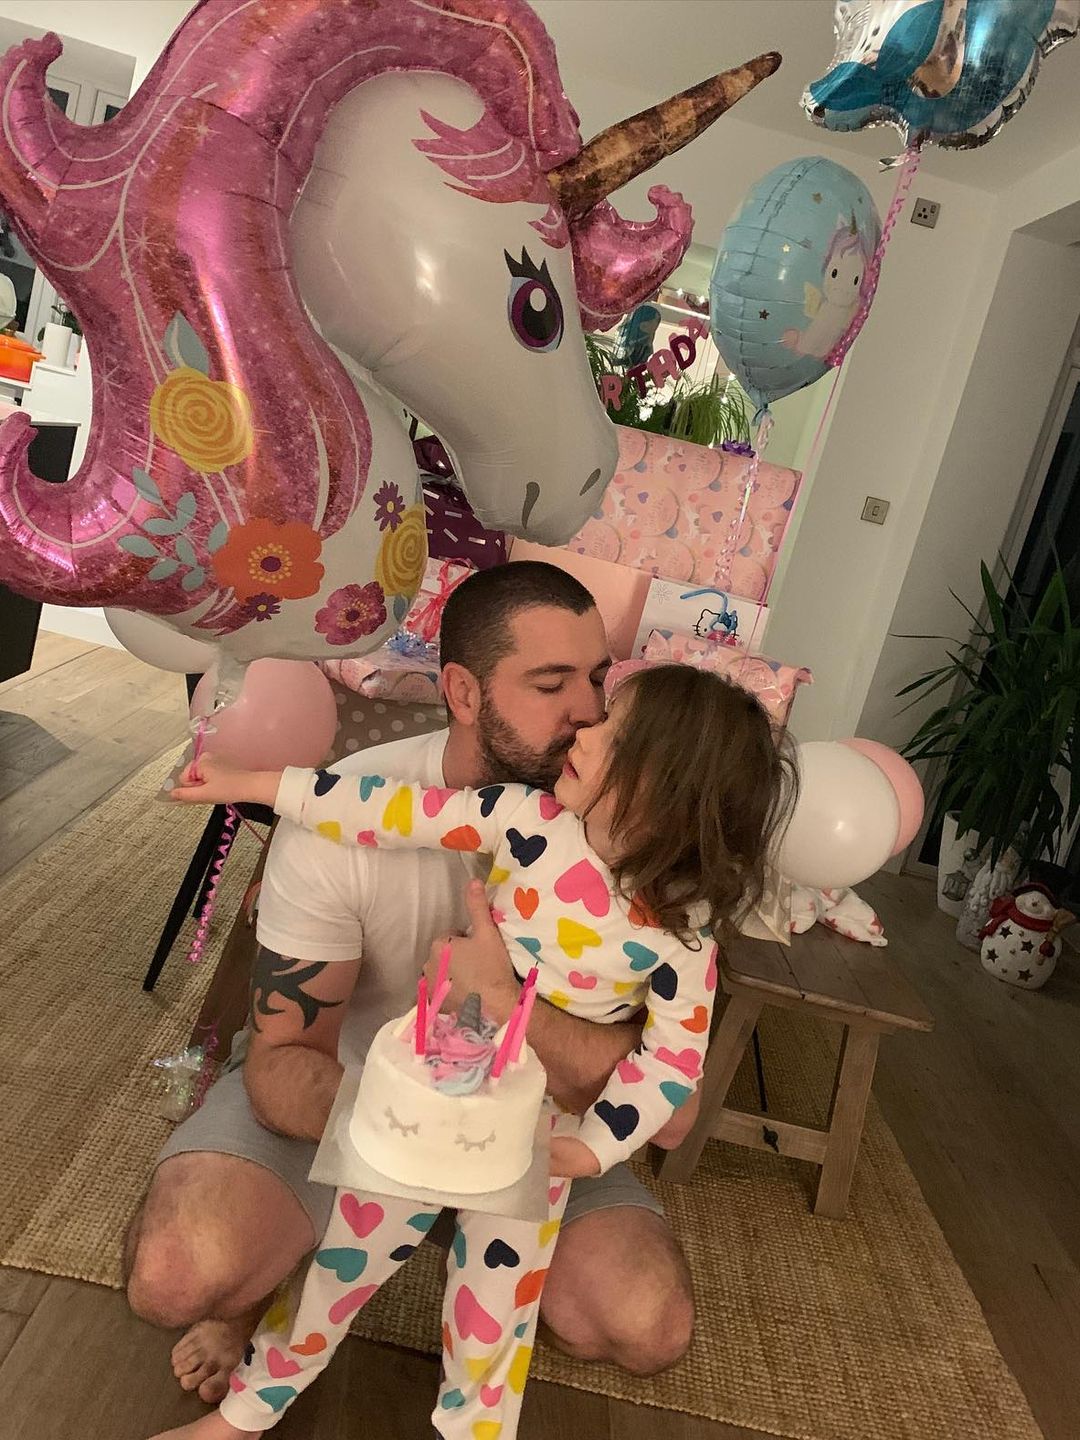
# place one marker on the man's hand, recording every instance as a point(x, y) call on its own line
point(479, 962)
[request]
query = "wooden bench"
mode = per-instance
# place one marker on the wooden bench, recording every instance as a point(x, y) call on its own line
point(855, 985)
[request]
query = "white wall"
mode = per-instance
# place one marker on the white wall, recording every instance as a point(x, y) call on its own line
point(138, 28)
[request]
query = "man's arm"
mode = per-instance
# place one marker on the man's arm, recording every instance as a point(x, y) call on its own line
point(291, 1070)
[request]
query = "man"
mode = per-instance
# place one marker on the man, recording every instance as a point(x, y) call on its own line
point(343, 933)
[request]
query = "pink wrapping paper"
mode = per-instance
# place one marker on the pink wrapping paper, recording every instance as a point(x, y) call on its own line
point(670, 506)
point(773, 683)
point(619, 591)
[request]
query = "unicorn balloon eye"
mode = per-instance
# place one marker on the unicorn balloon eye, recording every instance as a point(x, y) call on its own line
point(533, 304)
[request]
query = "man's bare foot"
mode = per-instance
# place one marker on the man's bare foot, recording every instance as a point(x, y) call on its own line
point(210, 1427)
point(205, 1357)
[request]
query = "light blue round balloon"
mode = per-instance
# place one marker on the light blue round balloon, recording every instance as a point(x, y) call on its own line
point(790, 274)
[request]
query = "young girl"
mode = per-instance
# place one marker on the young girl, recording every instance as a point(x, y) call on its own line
point(614, 888)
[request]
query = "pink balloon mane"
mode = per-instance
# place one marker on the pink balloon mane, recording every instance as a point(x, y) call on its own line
point(217, 408)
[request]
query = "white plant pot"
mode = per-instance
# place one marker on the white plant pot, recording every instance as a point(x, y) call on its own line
point(958, 863)
point(54, 344)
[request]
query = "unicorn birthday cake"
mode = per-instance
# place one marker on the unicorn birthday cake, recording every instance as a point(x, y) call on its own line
point(450, 1103)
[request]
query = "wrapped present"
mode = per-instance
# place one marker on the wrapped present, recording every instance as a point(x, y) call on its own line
point(701, 610)
point(772, 682)
point(406, 669)
point(670, 507)
point(454, 533)
point(441, 579)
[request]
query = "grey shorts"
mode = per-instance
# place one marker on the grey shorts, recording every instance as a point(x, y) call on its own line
point(225, 1125)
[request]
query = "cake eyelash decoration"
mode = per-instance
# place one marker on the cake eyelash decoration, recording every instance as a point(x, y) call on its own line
point(395, 1124)
point(468, 1144)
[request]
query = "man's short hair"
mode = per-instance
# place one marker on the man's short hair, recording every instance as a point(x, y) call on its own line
point(476, 629)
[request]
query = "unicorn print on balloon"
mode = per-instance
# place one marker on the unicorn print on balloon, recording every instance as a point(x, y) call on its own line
point(831, 307)
point(308, 218)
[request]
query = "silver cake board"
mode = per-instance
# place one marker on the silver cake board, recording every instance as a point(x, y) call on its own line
point(337, 1163)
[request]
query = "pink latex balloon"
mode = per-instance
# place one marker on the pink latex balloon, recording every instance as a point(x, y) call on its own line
point(285, 714)
point(905, 783)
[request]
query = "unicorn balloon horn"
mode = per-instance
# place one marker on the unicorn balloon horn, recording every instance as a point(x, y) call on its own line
point(636, 144)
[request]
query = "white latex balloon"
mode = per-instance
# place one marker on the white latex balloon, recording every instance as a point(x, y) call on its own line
point(846, 822)
point(158, 644)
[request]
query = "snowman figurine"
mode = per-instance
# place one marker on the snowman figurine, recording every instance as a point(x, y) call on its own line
point(1022, 939)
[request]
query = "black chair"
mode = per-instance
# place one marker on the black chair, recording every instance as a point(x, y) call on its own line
point(194, 888)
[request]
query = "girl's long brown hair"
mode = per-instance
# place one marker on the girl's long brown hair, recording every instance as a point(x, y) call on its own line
point(703, 785)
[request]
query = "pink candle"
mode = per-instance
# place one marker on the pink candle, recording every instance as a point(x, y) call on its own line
point(421, 1018)
point(510, 1046)
point(526, 1013)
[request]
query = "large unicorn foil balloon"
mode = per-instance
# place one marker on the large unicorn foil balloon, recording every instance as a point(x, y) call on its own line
point(312, 215)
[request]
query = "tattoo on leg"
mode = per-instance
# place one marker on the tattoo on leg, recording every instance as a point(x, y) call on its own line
point(275, 976)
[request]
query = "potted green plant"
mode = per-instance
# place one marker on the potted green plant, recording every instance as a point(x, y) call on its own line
point(1006, 735)
point(702, 412)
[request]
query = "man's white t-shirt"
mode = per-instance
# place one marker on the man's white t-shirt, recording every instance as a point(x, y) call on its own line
point(326, 902)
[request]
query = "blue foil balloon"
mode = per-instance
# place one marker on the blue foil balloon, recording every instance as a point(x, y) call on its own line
point(791, 271)
point(947, 72)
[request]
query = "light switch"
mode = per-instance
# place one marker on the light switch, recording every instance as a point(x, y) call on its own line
point(875, 510)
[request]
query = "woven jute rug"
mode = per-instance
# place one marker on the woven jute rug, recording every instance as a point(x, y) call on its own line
point(806, 1328)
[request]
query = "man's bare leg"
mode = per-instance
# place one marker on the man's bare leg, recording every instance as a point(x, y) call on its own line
point(215, 1237)
point(619, 1289)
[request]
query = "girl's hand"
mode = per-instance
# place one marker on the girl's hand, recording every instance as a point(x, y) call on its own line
point(572, 1158)
point(208, 781)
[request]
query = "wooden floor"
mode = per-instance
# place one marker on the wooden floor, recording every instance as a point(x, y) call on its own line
point(985, 1109)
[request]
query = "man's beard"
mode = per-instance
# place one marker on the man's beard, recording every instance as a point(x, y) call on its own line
point(505, 756)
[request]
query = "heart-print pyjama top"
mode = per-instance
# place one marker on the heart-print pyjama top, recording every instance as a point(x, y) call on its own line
point(597, 956)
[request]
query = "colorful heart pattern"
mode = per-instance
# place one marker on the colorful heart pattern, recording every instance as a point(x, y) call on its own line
point(572, 937)
point(329, 830)
point(489, 798)
point(462, 837)
point(665, 981)
point(435, 798)
point(525, 902)
point(350, 1303)
point(698, 1022)
point(279, 1366)
point(582, 982)
point(675, 1094)
point(315, 1344)
point(526, 849)
point(584, 883)
point(325, 782)
point(621, 1120)
point(640, 956)
point(368, 784)
point(277, 1396)
point(471, 1318)
point(529, 1288)
point(398, 812)
point(688, 1061)
point(499, 1253)
point(629, 1073)
point(361, 1219)
point(549, 807)
point(345, 1263)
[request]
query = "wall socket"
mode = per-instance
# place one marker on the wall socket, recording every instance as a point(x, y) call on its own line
point(875, 510)
point(925, 213)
